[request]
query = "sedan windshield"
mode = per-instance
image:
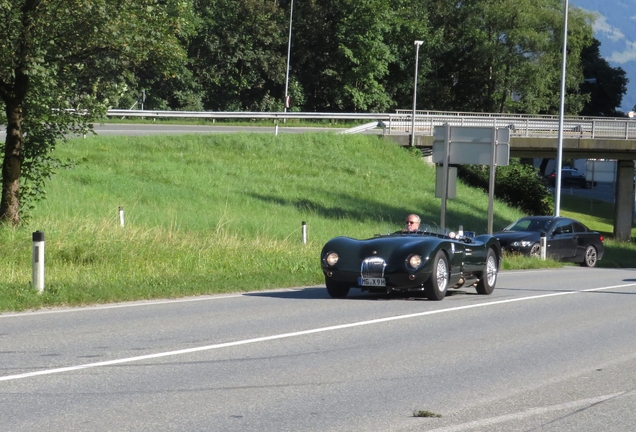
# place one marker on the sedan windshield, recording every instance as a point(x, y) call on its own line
point(536, 225)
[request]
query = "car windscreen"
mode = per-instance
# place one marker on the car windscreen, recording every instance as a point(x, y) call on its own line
point(536, 225)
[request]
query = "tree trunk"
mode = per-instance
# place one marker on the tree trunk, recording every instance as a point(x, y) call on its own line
point(12, 165)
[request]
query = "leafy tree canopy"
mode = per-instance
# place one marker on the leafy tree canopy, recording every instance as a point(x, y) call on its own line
point(605, 85)
point(61, 62)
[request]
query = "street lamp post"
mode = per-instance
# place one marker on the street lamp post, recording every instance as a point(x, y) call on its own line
point(291, 14)
point(559, 161)
point(289, 39)
point(418, 43)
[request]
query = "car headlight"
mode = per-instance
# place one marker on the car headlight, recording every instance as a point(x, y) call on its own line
point(414, 261)
point(331, 259)
point(522, 243)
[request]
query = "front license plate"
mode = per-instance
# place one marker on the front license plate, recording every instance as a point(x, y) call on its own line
point(364, 281)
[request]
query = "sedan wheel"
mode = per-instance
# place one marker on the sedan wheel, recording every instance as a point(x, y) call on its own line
point(535, 250)
point(436, 286)
point(486, 284)
point(590, 258)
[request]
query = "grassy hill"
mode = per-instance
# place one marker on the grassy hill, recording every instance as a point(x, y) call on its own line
point(216, 213)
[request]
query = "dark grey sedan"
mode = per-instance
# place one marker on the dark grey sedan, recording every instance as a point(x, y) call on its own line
point(570, 177)
point(566, 239)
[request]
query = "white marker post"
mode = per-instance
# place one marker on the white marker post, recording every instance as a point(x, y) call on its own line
point(542, 246)
point(304, 225)
point(38, 261)
point(121, 215)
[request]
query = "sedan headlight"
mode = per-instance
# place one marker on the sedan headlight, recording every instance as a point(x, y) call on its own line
point(414, 261)
point(331, 259)
point(522, 243)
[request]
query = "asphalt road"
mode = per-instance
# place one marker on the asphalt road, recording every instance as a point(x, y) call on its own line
point(155, 129)
point(549, 350)
point(170, 129)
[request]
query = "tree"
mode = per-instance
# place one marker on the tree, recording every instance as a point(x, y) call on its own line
point(504, 56)
point(340, 56)
point(60, 61)
point(239, 54)
point(605, 85)
point(409, 22)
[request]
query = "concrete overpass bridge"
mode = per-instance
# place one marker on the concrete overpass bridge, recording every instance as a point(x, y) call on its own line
point(537, 136)
point(532, 135)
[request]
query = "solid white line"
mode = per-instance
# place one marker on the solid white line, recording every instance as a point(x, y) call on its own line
point(141, 303)
point(294, 334)
point(529, 413)
point(119, 305)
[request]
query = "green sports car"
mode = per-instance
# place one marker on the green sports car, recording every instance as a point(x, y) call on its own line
point(429, 260)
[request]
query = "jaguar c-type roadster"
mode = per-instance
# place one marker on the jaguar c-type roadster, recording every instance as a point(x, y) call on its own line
point(431, 261)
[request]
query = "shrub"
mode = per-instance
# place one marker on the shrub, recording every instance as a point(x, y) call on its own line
point(517, 184)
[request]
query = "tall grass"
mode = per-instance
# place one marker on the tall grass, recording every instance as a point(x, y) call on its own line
point(216, 213)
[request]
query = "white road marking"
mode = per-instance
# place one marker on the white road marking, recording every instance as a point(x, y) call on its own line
point(294, 334)
point(528, 413)
point(119, 305)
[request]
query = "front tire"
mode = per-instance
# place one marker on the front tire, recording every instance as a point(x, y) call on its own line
point(535, 250)
point(486, 284)
point(590, 258)
point(436, 286)
point(336, 289)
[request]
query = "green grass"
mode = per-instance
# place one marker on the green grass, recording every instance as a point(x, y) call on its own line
point(222, 213)
point(597, 215)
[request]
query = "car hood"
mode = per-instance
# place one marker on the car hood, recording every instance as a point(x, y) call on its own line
point(390, 248)
point(383, 243)
point(507, 237)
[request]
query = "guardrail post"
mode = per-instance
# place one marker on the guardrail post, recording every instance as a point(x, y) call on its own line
point(37, 276)
point(304, 229)
point(121, 216)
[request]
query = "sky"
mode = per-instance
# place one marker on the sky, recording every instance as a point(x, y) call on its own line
point(615, 28)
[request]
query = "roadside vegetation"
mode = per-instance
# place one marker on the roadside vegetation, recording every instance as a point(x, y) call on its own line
point(207, 214)
point(235, 55)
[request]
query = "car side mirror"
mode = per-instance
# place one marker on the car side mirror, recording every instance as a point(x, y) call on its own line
point(557, 231)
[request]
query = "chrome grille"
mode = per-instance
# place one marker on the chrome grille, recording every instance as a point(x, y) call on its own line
point(373, 267)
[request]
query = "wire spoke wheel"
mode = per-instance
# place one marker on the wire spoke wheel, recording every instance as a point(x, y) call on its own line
point(436, 286)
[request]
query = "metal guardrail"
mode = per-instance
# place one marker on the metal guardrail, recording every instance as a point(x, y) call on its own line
point(520, 125)
point(247, 115)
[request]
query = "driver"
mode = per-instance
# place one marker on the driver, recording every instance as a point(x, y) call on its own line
point(412, 223)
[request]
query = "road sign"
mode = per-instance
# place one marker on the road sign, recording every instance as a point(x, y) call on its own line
point(472, 145)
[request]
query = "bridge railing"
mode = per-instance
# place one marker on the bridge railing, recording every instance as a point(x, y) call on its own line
point(522, 125)
point(399, 123)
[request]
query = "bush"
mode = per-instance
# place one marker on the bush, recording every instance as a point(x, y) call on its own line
point(517, 184)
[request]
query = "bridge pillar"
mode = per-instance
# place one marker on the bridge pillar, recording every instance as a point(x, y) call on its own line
point(624, 207)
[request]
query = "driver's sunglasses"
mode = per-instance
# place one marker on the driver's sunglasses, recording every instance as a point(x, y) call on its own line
point(411, 222)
